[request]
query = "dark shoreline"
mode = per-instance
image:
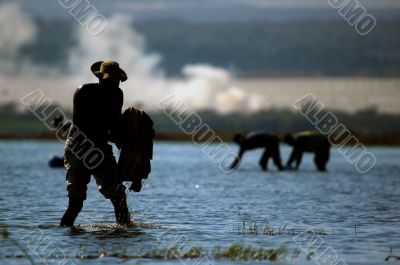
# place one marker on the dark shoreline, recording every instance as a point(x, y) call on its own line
point(369, 139)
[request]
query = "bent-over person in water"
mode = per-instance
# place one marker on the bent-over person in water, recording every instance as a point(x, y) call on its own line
point(311, 142)
point(254, 140)
point(96, 110)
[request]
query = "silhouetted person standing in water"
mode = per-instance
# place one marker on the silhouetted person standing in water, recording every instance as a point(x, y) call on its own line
point(312, 142)
point(269, 142)
point(96, 111)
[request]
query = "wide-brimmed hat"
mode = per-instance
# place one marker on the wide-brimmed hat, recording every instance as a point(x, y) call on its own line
point(108, 69)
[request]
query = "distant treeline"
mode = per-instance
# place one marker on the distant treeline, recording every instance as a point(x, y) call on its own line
point(255, 48)
point(16, 122)
point(285, 120)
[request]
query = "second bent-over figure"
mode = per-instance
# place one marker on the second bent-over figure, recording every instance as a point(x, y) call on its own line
point(254, 140)
point(311, 142)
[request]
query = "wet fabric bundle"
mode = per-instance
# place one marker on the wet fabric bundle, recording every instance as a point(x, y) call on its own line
point(135, 137)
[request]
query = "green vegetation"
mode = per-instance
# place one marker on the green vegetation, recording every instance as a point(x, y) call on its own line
point(4, 232)
point(284, 120)
point(259, 229)
point(369, 125)
point(269, 230)
point(240, 252)
point(391, 256)
point(234, 252)
point(15, 122)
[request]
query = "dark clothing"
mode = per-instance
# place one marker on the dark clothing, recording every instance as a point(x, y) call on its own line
point(105, 174)
point(255, 140)
point(96, 111)
point(135, 135)
point(268, 141)
point(311, 142)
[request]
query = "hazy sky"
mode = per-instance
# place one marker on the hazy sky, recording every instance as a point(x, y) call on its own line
point(187, 8)
point(165, 4)
point(202, 85)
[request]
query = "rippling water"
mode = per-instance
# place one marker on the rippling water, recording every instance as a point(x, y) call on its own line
point(189, 201)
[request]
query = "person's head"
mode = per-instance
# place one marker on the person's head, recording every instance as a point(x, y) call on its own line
point(109, 82)
point(289, 139)
point(109, 73)
point(57, 121)
point(237, 138)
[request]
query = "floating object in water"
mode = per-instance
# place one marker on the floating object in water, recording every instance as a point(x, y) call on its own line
point(56, 162)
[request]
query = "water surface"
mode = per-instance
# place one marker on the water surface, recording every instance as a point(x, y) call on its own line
point(189, 201)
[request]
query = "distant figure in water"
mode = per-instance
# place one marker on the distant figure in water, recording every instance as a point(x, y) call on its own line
point(311, 142)
point(97, 108)
point(254, 140)
point(60, 124)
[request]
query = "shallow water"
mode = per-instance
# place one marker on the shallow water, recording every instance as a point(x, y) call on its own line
point(189, 202)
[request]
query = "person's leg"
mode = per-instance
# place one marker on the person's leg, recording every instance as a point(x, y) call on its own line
point(296, 156)
point(74, 208)
point(264, 159)
point(122, 215)
point(111, 188)
point(77, 178)
point(276, 156)
point(321, 159)
point(325, 157)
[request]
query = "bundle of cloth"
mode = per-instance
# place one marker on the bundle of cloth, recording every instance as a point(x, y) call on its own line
point(135, 138)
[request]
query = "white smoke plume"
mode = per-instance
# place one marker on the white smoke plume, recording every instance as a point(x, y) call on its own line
point(205, 86)
point(16, 29)
point(119, 42)
point(202, 86)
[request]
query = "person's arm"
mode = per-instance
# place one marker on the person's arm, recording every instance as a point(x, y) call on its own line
point(236, 162)
point(291, 159)
point(113, 137)
point(296, 155)
point(79, 109)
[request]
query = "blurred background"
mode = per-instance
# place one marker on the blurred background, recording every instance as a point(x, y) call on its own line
point(239, 63)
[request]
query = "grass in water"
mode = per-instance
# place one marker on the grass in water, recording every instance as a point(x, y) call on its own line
point(248, 253)
point(391, 256)
point(235, 252)
point(6, 236)
point(269, 230)
point(4, 233)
